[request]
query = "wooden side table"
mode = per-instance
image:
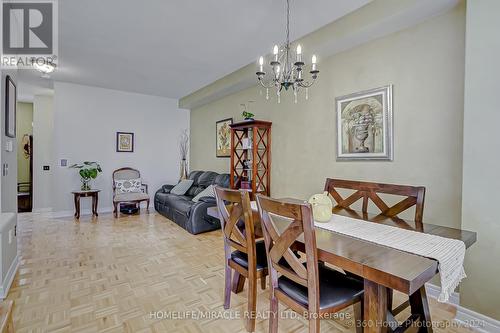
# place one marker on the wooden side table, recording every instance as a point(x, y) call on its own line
point(90, 193)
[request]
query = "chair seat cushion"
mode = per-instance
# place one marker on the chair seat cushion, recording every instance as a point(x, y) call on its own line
point(335, 288)
point(242, 259)
point(123, 197)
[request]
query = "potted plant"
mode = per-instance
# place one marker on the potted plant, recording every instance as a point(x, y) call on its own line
point(88, 171)
point(247, 114)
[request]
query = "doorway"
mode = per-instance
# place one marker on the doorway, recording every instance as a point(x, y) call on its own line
point(24, 122)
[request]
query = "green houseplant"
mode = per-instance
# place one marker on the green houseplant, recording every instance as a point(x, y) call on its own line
point(87, 171)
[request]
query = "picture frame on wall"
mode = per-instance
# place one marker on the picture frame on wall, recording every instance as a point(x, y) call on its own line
point(365, 125)
point(10, 107)
point(223, 137)
point(124, 142)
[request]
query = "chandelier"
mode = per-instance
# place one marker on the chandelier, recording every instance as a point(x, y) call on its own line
point(287, 67)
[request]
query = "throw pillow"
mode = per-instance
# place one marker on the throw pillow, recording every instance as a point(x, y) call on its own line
point(182, 187)
point(128, 185)
point(208, 192)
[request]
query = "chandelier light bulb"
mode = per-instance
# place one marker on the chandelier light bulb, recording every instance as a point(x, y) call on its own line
point(313, 59)
point(299, 49)
point(275, 52)
point(261, 63)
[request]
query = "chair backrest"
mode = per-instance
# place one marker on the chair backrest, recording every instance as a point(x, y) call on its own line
point(124, 174)
point(236, 222)
point(280, 237)
point(414, 196)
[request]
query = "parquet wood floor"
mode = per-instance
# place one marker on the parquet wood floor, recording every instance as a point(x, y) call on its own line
point(115, 275)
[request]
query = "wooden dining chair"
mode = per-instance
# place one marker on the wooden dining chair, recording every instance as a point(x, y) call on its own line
point(306, 287)
point(249, 258)
point(413, 196)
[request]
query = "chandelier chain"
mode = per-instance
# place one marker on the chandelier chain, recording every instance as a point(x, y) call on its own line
point(287, 22)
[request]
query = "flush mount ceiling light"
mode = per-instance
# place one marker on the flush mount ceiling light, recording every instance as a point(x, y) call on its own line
point(45, 68)
point(287, 73)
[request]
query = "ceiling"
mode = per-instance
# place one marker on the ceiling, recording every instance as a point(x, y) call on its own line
point(172, 48)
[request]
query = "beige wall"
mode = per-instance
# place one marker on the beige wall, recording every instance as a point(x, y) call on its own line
point(24, 120)
point(481, 162)
point(426, 66)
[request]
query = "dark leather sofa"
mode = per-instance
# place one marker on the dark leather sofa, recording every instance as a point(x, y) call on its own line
point(190, 215)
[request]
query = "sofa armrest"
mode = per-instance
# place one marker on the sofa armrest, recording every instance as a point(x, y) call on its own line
point(210, 200)
point(167, 188)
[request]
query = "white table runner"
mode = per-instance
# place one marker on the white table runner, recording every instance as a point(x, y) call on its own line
point(448, 252)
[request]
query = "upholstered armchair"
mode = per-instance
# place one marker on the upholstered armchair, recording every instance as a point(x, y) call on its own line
point(127, 188)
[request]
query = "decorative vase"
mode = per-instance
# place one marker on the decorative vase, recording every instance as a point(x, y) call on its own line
point(183, 169)
point(361, 134)
point(85, 184)
point(322, 207)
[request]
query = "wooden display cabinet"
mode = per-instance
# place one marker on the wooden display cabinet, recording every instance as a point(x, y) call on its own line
point(251, 156)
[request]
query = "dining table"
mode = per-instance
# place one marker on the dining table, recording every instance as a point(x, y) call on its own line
point(382, 268)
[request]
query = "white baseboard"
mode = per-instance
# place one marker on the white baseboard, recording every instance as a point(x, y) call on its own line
point(434, 291)
point(464, 316)
point(477, 321)
point(42, 210)
point(9, 277)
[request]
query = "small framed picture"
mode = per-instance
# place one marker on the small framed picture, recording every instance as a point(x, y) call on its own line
point(124, 142)
point(10, 107)
point(223, 138)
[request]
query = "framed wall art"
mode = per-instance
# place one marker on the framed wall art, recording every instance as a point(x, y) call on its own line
point(223, 137)
point(364, 125)
point(124, 142)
